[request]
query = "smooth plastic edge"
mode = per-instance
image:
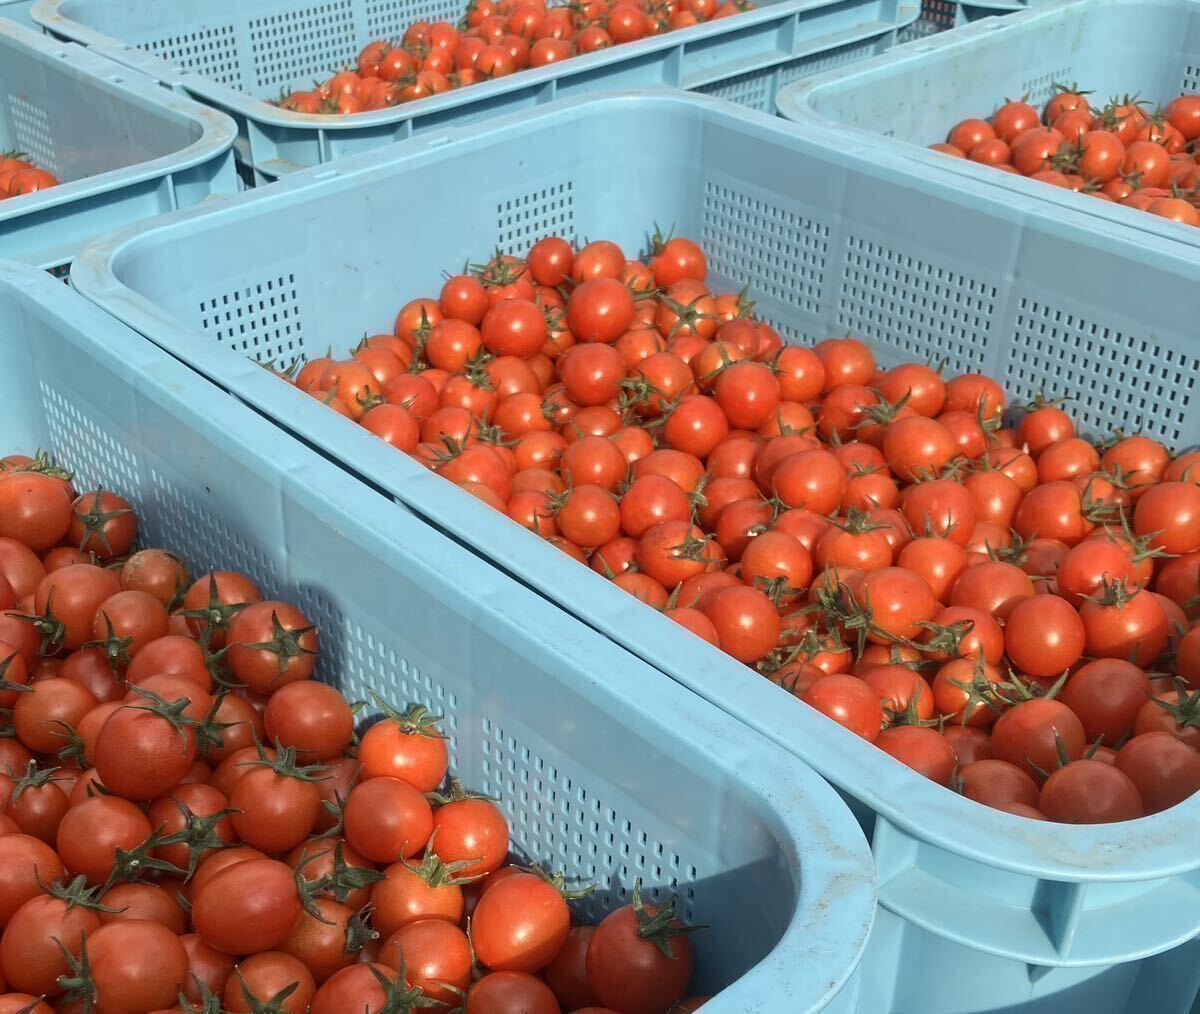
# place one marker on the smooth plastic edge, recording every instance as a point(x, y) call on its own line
point(218, 131)
point(809, 816)
point(45, 13)
point(792, 103)
point(998, 839)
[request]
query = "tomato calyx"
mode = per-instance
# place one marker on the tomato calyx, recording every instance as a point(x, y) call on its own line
point(437, 873)
point(945, 638)
point(284, 643)
point(78, 985)
point(661, 925)
point(198, 834)
point(172, 711)
point(1186, 711)
point(285, 765)
point(5, 683)
point(115, 649)
point(399, 997)
point(77, 894)
point(133, 864)
point(458, 794)
point(214, 615)
point(345, 879)
point(688, 316)
point(94, 521)
point(1117, 593)
point(980, 692)
point(415, 720)
point(52, 629)
point(72, 751)
point(275, 1005)
point(41, 462)
point(34, 778)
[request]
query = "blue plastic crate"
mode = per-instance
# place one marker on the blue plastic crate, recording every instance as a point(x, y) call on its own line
point(18, 11)
point(830, 242)
point(236, 54)
point(942, 15)
point(605, 768)
point(123, 148)
point(905, 100)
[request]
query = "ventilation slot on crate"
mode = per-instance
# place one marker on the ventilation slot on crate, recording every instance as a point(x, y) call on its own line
point(87, 448)
point(388, 19)
point(524, 219)
point(211, 52)
point(559, 824)
point(177, 520)
point(920, 311)
point(1191, 76)
point(749, 239)
point(1114, 380)
point(261, 320)
point(806, 66)
point(1037, 91)
point(31, 128)
point(291, 47)
point(752, 89)
point(366, 663)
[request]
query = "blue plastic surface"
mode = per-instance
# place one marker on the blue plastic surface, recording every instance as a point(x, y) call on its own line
point(606, 768)
point(907, 99)
point(123, 148)
point(830, 242)
point(18, 11)
point(236, 54)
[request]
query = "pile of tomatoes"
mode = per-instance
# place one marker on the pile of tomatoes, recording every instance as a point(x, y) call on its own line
point(496, 38)
point(18, 175)
point(1118, 153)
point(991, 599)
point(189, 822)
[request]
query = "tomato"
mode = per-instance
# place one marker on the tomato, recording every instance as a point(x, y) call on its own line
point(145, 748)
point(849, 702)
point(199, 809)
point(248, 907)
point(263, 977)
point(1012, 118)
point(1107, 695)
point(591, 374)
point(511, 993)
point(846, 361)
point(35, 509)
point(471, 834)
point(213, 600)
point(1124, 624)
point(520, 924)
point(640, 958)
point(814, 480)
point(39, 714)
point(1090, 564)
point(1169, 513)
point(270, 644)
point(746, 621)
point(940, 507)
point(311, 717)
point(922, 749)
point(1044, 636)
point(1090, 792)
point(433, 956)
point(93, 829)
point(37, 804)
point(386, 819)
point(994, 587)
point(895, 602)
point(135, 966)
point(1031, 734)
point(1164, 770)
point(969, 744)
point(968, 691)
point(275, 804)
point(148, 902)
point(567, 975)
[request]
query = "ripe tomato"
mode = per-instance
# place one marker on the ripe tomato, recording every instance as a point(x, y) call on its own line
point(1090, 792)
point(386, 819)
point(510, 993)
point(271, 644)
point(849, 702)
point(1164, 770)
point(1031, 734)
point(520, 924)
point(248, 907)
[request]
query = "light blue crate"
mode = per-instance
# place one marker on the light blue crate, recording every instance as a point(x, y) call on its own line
point(123, 148)
point(605, 768)
point(942, 15)
point(829, 242)
point(236, 54)
point(909, 98)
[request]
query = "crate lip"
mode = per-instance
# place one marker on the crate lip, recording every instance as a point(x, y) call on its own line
point(1150, 848)
point(46, 13)
point(816, 833)
point(218, 131)
point(792, 103)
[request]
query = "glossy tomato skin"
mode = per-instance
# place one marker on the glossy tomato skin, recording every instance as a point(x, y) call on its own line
point(1090, 792)
point(248, 907)
point(511, 993)
point(520, 924)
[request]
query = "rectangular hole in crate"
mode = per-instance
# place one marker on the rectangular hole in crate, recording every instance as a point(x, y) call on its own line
point(291, 46)
point(211, 52)
point(1038, 90)
point(366, 662)
point(1115, 379)
point(31, 128)
point(1191, 77)
point(525, 218)
point(748, 238)
point(920, 310)
point(388, 19)
point(752, 89)
point(261, 319)
point(806, 66)
point(211, 543)
point(87, 448)
point(559, 824)
point(942, 13)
